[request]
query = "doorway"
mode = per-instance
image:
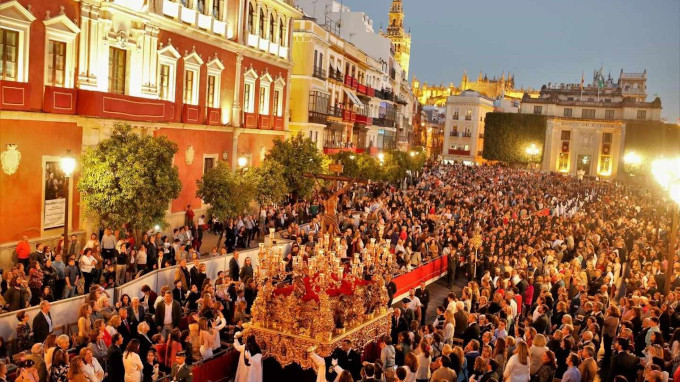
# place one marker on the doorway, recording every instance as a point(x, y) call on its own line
point(584, 163)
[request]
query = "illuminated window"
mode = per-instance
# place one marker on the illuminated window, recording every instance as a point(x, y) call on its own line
point(264, 100)
point(251, 18)
point(8, 54)
point(278, 103)
point(56, 63)
point(605, 165)
point(211, 91)
point(563, 162)
point(117, 70)
point(468, 115)
point(189, 84)
point(164, 82)
point(248, 98)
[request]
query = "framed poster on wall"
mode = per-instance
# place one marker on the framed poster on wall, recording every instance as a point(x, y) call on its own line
point(55, 200)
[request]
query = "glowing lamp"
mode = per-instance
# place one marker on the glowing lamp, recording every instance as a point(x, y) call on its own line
point(68, 164)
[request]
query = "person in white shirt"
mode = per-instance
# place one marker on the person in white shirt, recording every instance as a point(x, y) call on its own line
point(132, 363)
point(87, 264)
point(91, 368)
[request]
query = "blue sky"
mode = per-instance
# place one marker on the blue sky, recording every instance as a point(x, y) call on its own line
point(543, 41)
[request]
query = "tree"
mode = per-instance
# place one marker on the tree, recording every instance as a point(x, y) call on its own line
point(361, 166)
point(507, 135)
point(227, 192)
point(297, 155)
point(270, 186)
point(129, 179)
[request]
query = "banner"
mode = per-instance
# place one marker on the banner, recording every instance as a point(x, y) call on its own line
point(55, 202)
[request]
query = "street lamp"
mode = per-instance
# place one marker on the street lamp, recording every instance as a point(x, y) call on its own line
point(533, 151)
point(413, 153)
point(667, 173)
point(242, 161)
point(68, 164)
point(381, 157)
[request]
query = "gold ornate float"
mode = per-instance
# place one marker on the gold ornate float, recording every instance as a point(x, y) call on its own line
point(321, 301)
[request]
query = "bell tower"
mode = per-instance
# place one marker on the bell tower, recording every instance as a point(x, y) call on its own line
point(396, 33)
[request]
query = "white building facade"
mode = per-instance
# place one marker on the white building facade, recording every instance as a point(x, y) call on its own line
point(464, 127)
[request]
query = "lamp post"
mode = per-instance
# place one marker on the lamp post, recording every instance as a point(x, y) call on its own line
point(533, 152)
point(242, 162)
point(667, 173)
point(68, 164)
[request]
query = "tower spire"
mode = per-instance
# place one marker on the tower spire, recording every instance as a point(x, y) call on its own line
point(398, 36)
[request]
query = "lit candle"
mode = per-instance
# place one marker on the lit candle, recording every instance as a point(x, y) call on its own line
point(271, 233)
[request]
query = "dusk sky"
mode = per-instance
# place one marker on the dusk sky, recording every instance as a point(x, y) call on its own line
point(543, 41)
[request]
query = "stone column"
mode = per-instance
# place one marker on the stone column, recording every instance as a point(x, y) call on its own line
point(234, 150)
point(236, 106)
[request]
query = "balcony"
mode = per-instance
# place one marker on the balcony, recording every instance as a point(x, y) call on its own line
point(266, 122)
point(278, 123)
point(108, 105)
point(319, 73)
point(335, 74)
point(384, 122)
point(214, 117)
point(59, 100)
point(348, 80)
point(370, 91)
point(466, 135)
point(274, 48)
point(385, 95)
point(459, 152)
point(355, 83)
point(349, 116)
point(316, 117)
point(335, 112)
point(262, 122)
point(192, 114)
point(14, 95)
point(364, 119)
point(362, 89)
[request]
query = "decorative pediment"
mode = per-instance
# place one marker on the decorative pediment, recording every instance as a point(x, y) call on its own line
point(169, 51)
point(266, 77)
point(279, 81)
point(250, 74)
point(16, 11)
point(193, 58)
point(215, 64)
point(62, 24)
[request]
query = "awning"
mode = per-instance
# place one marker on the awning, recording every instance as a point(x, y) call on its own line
point(355, 100)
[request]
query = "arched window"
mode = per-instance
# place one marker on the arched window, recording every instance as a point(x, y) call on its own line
point(251, 18)
point(283, 41)
point(272, 30)
point(262, 24)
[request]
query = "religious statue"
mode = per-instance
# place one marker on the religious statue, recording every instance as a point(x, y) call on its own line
point(329, 220)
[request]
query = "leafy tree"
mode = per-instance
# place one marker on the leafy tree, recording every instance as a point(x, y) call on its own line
point(507, 135)
point(270, 186)
point(129, 179)
point(228, 192)
point(362, 166)
point(297, 155)
point(650, 139)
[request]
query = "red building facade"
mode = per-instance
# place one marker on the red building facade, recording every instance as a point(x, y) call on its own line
point(211, 75)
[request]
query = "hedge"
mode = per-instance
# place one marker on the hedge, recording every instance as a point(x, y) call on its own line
point(507, 135)
point(651, 139)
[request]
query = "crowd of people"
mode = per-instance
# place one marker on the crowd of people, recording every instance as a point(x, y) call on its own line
point(567, 282)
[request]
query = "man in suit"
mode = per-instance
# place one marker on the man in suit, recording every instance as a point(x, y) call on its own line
point(183, 275)
point(126, 328)
point(424, 297)
point(623, 363)
point(114, 364)
point(391, 289)
point(472, 331)
point(73, 248)
point(588, 367)
point(399, 325)
point(145, 342)
point(179, 294)
point(180, 371)
point(542, 323)
point(37, 255)
point(451, 266)
point(42, 323)
point(136, 312)
point(461, 319)
point(168, 314)
point(348, 359)
point(234, 267)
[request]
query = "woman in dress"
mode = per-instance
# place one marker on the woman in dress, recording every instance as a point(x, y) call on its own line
point(132, 363)
point(424, 359)
point(172, 347)
point(206, 338)
point(24, 333)
point(60, 366)
point(517, 369)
